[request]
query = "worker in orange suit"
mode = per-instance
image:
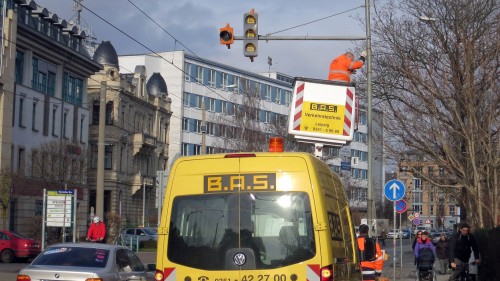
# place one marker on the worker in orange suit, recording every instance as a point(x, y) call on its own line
point(372, 260)
point(344, 65)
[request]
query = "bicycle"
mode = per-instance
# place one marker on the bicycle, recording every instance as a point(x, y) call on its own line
point(464, 271)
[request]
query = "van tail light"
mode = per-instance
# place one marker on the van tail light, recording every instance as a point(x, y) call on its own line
point(94, 279)
point(276, 145)
point(159, 275)
point(23, 278)
point(327, 273)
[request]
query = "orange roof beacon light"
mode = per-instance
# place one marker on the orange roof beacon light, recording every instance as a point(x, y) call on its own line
point(226, 36)
point(276, 145)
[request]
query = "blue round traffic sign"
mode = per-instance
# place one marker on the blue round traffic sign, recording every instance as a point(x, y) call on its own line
point(401, 206)
point(394, 190)
point(416, 221)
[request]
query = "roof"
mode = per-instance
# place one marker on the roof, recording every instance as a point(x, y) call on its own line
point(106, 54)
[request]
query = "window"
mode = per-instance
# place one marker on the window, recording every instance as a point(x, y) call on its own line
point(199, 74)
point(289, 231)
point(51, 84)
point(65, 121)
point(21, 112)
point(211, 78)
point(278, 96)
point(19, 67)
point(82, 118)
point(34, 78)
point(38, 207)
point(54, 118)
point(288, 98)
point(108, 157)
point(225, 81)
point(185, 100)
point(268, 93)
point(267, 117)
point(197, 126)
point(223, 107)
point(72, 89)
point(185, 149)
point(452, 210)
point(185, 124)
point(33, 117)
point(211, 104)
point(187, 72)
point(236, 83)
point(20, 160)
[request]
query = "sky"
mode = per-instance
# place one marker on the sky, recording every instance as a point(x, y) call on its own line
point(195, 27)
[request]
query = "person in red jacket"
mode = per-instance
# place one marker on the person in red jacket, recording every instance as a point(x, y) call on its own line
point(370, 269)
point(344, 65)
point(97, 231)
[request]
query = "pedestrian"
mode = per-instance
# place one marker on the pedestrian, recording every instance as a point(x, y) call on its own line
point(372, 260)
point(383, 236)
point(344, 65)
point(425, 255)
point(442, 253)
point(460, 248)
point(97, 231)
point(424, 242)
point(419, 234)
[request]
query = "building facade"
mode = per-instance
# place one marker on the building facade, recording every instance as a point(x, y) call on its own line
point(215, 107)
point(137, 125)
point(436, 205)
point(44, 102)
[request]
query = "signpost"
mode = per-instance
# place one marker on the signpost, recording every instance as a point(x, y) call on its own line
point(394, 190)
point(59, 210)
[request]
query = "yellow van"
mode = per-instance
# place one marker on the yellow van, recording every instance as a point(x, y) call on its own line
point(268, 216)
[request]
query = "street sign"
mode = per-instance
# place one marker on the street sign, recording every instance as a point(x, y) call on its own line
point(401, 206)
point(394, 190)
point(411, 217)
point(416, 221)
point(416, 214)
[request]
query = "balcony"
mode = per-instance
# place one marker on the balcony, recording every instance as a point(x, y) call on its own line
point(144, 143)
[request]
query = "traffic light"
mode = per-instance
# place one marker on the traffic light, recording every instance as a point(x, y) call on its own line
point(227, 36)
point(251, 34)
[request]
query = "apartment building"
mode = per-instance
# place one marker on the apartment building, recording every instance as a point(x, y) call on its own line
point(137, 125)
point(44, 109)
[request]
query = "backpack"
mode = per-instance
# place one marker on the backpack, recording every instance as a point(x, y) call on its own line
point(425, 259)
point(370, 251)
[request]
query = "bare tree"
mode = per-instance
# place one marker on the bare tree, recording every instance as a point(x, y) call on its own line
point(58, 161)
point(436, 70)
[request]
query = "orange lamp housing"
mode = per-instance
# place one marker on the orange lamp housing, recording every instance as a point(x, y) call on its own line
point(227, 36)
point(275, 145)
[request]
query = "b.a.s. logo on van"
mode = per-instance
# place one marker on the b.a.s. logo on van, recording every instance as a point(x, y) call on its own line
point(239, 182)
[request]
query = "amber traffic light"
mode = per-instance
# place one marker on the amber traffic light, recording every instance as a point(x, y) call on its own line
point(227, 36)
point(251, 34)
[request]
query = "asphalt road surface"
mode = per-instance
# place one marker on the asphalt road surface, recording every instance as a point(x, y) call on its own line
point(406, 272)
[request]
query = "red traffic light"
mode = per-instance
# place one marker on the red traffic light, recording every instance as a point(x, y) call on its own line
point(227, 36)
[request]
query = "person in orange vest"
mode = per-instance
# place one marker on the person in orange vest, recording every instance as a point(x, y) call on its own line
point(344, 65)
point(372, 259)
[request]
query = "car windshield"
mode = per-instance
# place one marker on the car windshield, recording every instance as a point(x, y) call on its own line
point(275, 228)
point(73, 256)
point(150, 231)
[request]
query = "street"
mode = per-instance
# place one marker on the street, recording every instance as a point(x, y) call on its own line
point(8, 272)
point(408, 271)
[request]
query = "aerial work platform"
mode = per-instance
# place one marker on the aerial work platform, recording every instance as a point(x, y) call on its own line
point(323, 111)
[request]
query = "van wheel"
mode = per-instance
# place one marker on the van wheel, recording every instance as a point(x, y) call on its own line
point(7, 256)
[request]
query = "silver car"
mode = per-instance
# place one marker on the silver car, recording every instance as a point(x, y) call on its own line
point(83, 261)
point(140, 234)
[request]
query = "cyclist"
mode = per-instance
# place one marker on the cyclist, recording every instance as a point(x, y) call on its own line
point(97, 231)
point(461, 246)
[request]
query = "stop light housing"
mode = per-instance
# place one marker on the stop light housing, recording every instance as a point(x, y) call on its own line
point(251, 34)
point(226, 36)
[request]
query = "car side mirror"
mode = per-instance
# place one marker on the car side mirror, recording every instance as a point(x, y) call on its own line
point(150, 267)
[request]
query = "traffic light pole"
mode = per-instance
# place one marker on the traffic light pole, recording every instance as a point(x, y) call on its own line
point(268, 38)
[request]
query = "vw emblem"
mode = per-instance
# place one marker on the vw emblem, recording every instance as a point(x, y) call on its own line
point(239, 259)
point(56, 275)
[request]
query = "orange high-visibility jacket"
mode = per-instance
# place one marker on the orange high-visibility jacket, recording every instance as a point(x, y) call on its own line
point(341, 67)
point(370, 269)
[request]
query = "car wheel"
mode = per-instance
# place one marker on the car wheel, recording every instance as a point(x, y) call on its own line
point(7, 256)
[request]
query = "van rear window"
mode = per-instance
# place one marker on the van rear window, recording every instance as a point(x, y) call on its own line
point(274, 229)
